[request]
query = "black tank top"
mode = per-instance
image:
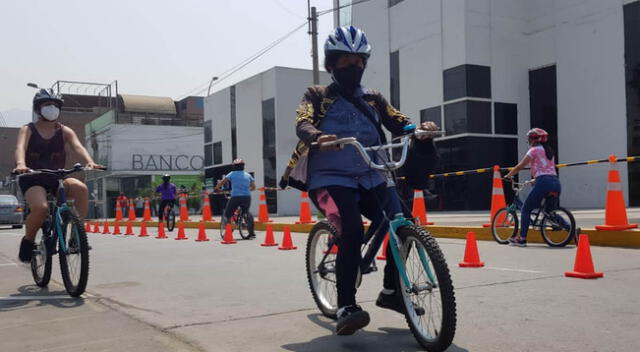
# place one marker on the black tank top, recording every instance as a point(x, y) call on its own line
point(45, 153)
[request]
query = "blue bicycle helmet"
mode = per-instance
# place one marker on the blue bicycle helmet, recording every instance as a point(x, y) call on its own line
point(345, 40)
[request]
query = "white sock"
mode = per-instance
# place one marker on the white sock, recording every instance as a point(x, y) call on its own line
point(386, 291)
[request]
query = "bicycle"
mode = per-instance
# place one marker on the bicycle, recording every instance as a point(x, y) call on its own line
point(63, 228)
point(240, 219)
point(423, 275)
point(169, 216)
point(556, 224)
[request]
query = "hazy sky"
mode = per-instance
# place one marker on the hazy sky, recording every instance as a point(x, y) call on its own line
point(159, 47)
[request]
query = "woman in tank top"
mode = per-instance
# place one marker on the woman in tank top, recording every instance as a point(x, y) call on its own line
point(41, 145)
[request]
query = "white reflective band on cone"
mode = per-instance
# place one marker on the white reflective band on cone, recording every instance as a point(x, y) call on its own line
point(614, 186)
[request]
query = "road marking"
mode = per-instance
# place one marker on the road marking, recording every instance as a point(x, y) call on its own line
point(36, 298)
point(518, 270)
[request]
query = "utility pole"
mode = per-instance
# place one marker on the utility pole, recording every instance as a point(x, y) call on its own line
point(313, 25)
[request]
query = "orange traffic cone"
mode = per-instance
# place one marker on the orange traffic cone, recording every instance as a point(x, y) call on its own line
point(132, 211)
point(129, 231)
point(383, 254)
point(105, 229)
point(497, 196)
point(118, 211)
point(202, 234)
point(143, 230)
point(615, 213)
point(287, 242)
point(471, 256)
point(419, 211)
point(583, 267)
point(87, 227)
point(228, 235)
point(263, 211)
point(161, 233)
point(305, 210)
point(333, 250)
point(181, 234)
point(96, 227)
point(206, 208)
point(184, 212)
point(146, 215)
point(116, 228)
point(269, 241)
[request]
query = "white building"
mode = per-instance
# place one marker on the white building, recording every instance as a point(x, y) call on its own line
point(255, 120)
point(488, 70)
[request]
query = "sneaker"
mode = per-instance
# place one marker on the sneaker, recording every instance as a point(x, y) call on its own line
point(26, 250)
point(518, 241)
point(351, 319)
point(394, 302)
point(251, 236)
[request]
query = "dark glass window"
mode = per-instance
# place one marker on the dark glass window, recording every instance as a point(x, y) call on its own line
point(543, 103)
point(207, 131)
point(467, 81)
point(234, 137)
point(394, 2)
point(394, 63)
point(217, 153)
point(506, 118)
point(632, 73)
point(431, 114)
point(269, 151)
point(208, 154)
point(467, 117)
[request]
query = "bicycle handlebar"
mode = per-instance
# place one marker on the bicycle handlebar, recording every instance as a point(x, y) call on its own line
point(391, 165)
point(59, 173)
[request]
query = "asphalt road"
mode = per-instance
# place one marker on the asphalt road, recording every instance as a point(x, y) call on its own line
point(146, 294)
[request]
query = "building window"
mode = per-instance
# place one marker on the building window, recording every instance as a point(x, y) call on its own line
point(208, 154)
point(269, 151)
point(394, 2)
point(506, 118)
point(543, 103)
point(344, 13)
point(207, 131)
point(431, 114)
point(217, 153)
point(467, 116)
point(632, 64)
point(394, 73)
point(234, 136)
point(467, 81)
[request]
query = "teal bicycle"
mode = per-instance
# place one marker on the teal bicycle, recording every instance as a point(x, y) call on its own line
point(424, 279)
point(61, 233)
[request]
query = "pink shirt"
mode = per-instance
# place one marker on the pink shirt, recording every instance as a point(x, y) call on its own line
point(540, 165)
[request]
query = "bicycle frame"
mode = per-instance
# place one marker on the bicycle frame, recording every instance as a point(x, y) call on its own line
point(61, 206)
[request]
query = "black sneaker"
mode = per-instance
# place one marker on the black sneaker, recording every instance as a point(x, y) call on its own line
point(351, 319)
point(251, 236)
point(26, 250)
point(394, 302)
point(518, 242)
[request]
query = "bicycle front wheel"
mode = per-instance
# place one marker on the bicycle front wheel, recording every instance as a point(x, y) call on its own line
point(558, 227)
point(430, 303)
point(504, 225)
point(170, 219)
point(223, 225)
point(74, 258)
point(244, 219)
point(41, 259)
point(321, 274)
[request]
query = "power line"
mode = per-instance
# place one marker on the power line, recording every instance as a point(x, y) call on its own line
point(341, 7)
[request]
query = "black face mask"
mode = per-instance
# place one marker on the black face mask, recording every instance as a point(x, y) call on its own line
point(348, 77)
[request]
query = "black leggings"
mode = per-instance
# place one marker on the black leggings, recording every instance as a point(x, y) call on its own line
point(351, 204)
point(244, 202)
point(163, 204)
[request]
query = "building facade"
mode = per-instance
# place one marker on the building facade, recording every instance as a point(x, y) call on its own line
point(488, 70)
point(255, 120)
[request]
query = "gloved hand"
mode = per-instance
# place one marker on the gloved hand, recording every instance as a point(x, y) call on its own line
point(283, 183)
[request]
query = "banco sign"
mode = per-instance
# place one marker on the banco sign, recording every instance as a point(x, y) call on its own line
point(155, 162)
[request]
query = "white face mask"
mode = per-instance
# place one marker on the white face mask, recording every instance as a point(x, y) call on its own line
point(50, 112)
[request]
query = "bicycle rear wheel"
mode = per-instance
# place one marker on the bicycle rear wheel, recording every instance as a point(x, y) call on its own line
point(321, 275)
point(504, 225)
point(170, 219)
point(430, 288)
point(223, 225)
point(558, 227)
point(74, 260)
point(41, 259)
point(244, 219)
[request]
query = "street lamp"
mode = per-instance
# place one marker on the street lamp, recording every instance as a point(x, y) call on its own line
point(214, 78)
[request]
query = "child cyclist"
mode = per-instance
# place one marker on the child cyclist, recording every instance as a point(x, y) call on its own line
point(543, 169)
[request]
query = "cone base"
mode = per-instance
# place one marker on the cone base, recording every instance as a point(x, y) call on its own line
point(268, 244)
point(143, 235)
point(471, 265)
point(181, 238)
point(428, 223)
point(117, 233)
point(106, 233)
point(205, 240)
point(229, 242)
point(616, 227)
point(161, 237)
point(486, 225)
point(130, 234)
point(263, 221)
point(287, 248)
point(306, 222)
point(579, 275)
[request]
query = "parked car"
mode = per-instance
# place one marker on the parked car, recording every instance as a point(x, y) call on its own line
point(11, 211)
